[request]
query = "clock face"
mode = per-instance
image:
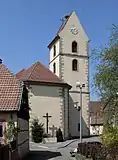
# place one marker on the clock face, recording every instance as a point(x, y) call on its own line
point(74, 30)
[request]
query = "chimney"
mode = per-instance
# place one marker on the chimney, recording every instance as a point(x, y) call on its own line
point(0, 61)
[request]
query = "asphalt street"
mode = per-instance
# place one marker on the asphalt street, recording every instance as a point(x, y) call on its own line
point(55, 151)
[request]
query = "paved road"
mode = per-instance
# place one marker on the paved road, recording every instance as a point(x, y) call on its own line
point(55, 151)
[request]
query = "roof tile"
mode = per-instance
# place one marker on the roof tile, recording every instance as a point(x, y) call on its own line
point(10, 90)
point(38, 72)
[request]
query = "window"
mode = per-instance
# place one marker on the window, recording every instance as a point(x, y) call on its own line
point(78, 126)
point(74, 47)
point(54, 67)
point(1, 130)
point(74, 65)
point(54, 50)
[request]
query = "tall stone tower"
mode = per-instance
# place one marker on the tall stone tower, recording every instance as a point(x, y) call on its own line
point(70, 61)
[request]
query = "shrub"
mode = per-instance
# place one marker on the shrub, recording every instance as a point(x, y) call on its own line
point(110, 136)
point(37, 130)
point(11, 132)
point(59, 135)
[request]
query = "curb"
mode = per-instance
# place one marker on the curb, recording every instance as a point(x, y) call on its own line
point(67, 144)
point(70, 143)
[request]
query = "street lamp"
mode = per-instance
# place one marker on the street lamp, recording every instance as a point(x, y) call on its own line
point(80, 86)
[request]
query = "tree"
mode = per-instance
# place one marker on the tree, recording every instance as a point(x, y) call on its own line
point(110, 136)
point(106, 75)
point(11, 132)
point(37, 130)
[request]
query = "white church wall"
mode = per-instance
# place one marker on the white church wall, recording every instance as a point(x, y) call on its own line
point(57, 44)
point(56, 61)
point(56, 58)
point(79, 75)
point(71, 77)
point(67, 36)
point(74, 114)
point(45, 99)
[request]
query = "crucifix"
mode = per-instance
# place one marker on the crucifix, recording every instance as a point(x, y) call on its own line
point(47, 120)
point(53, 128)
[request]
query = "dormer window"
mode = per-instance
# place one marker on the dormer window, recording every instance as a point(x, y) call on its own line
point(54, 67)
point(54, 51)
point(74, 65)
point(74, 46)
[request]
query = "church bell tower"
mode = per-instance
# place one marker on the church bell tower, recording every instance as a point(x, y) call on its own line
point(69, 60)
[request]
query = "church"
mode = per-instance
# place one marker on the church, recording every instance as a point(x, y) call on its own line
point(53, 94)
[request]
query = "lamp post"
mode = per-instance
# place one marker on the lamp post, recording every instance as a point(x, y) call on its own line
point(80, 86)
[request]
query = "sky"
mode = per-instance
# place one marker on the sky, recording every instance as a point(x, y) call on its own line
point(28, 26)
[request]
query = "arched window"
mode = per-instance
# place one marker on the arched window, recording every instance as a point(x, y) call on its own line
point(54, 50)
point(54, 67)
point(74, 65)
point(74, 46)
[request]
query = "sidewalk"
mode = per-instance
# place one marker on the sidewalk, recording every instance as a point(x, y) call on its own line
point(54, 145)
point(66, 143)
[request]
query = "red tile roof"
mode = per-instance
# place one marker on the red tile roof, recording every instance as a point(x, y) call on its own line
point(10, 90)
point(39, 73)
point(21, 73)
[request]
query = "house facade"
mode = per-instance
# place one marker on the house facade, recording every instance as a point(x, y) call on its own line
point(96, 117)
point(14, 108)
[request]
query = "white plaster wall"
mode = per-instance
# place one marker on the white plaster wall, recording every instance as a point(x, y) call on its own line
point(45, 99)
point(57, 44)
point(74, 114)
point(81, 38)
point(71, 77)
point(81, 75)
point(56, 61)
point(96, 130)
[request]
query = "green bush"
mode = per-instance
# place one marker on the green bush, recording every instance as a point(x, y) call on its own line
point(59, 135)
point(37, 130)
point(110, 136)
point(11, 132)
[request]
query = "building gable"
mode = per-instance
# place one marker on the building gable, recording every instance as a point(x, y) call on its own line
point(73, 26)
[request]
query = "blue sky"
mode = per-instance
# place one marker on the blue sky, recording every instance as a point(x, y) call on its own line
point(27, 27)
